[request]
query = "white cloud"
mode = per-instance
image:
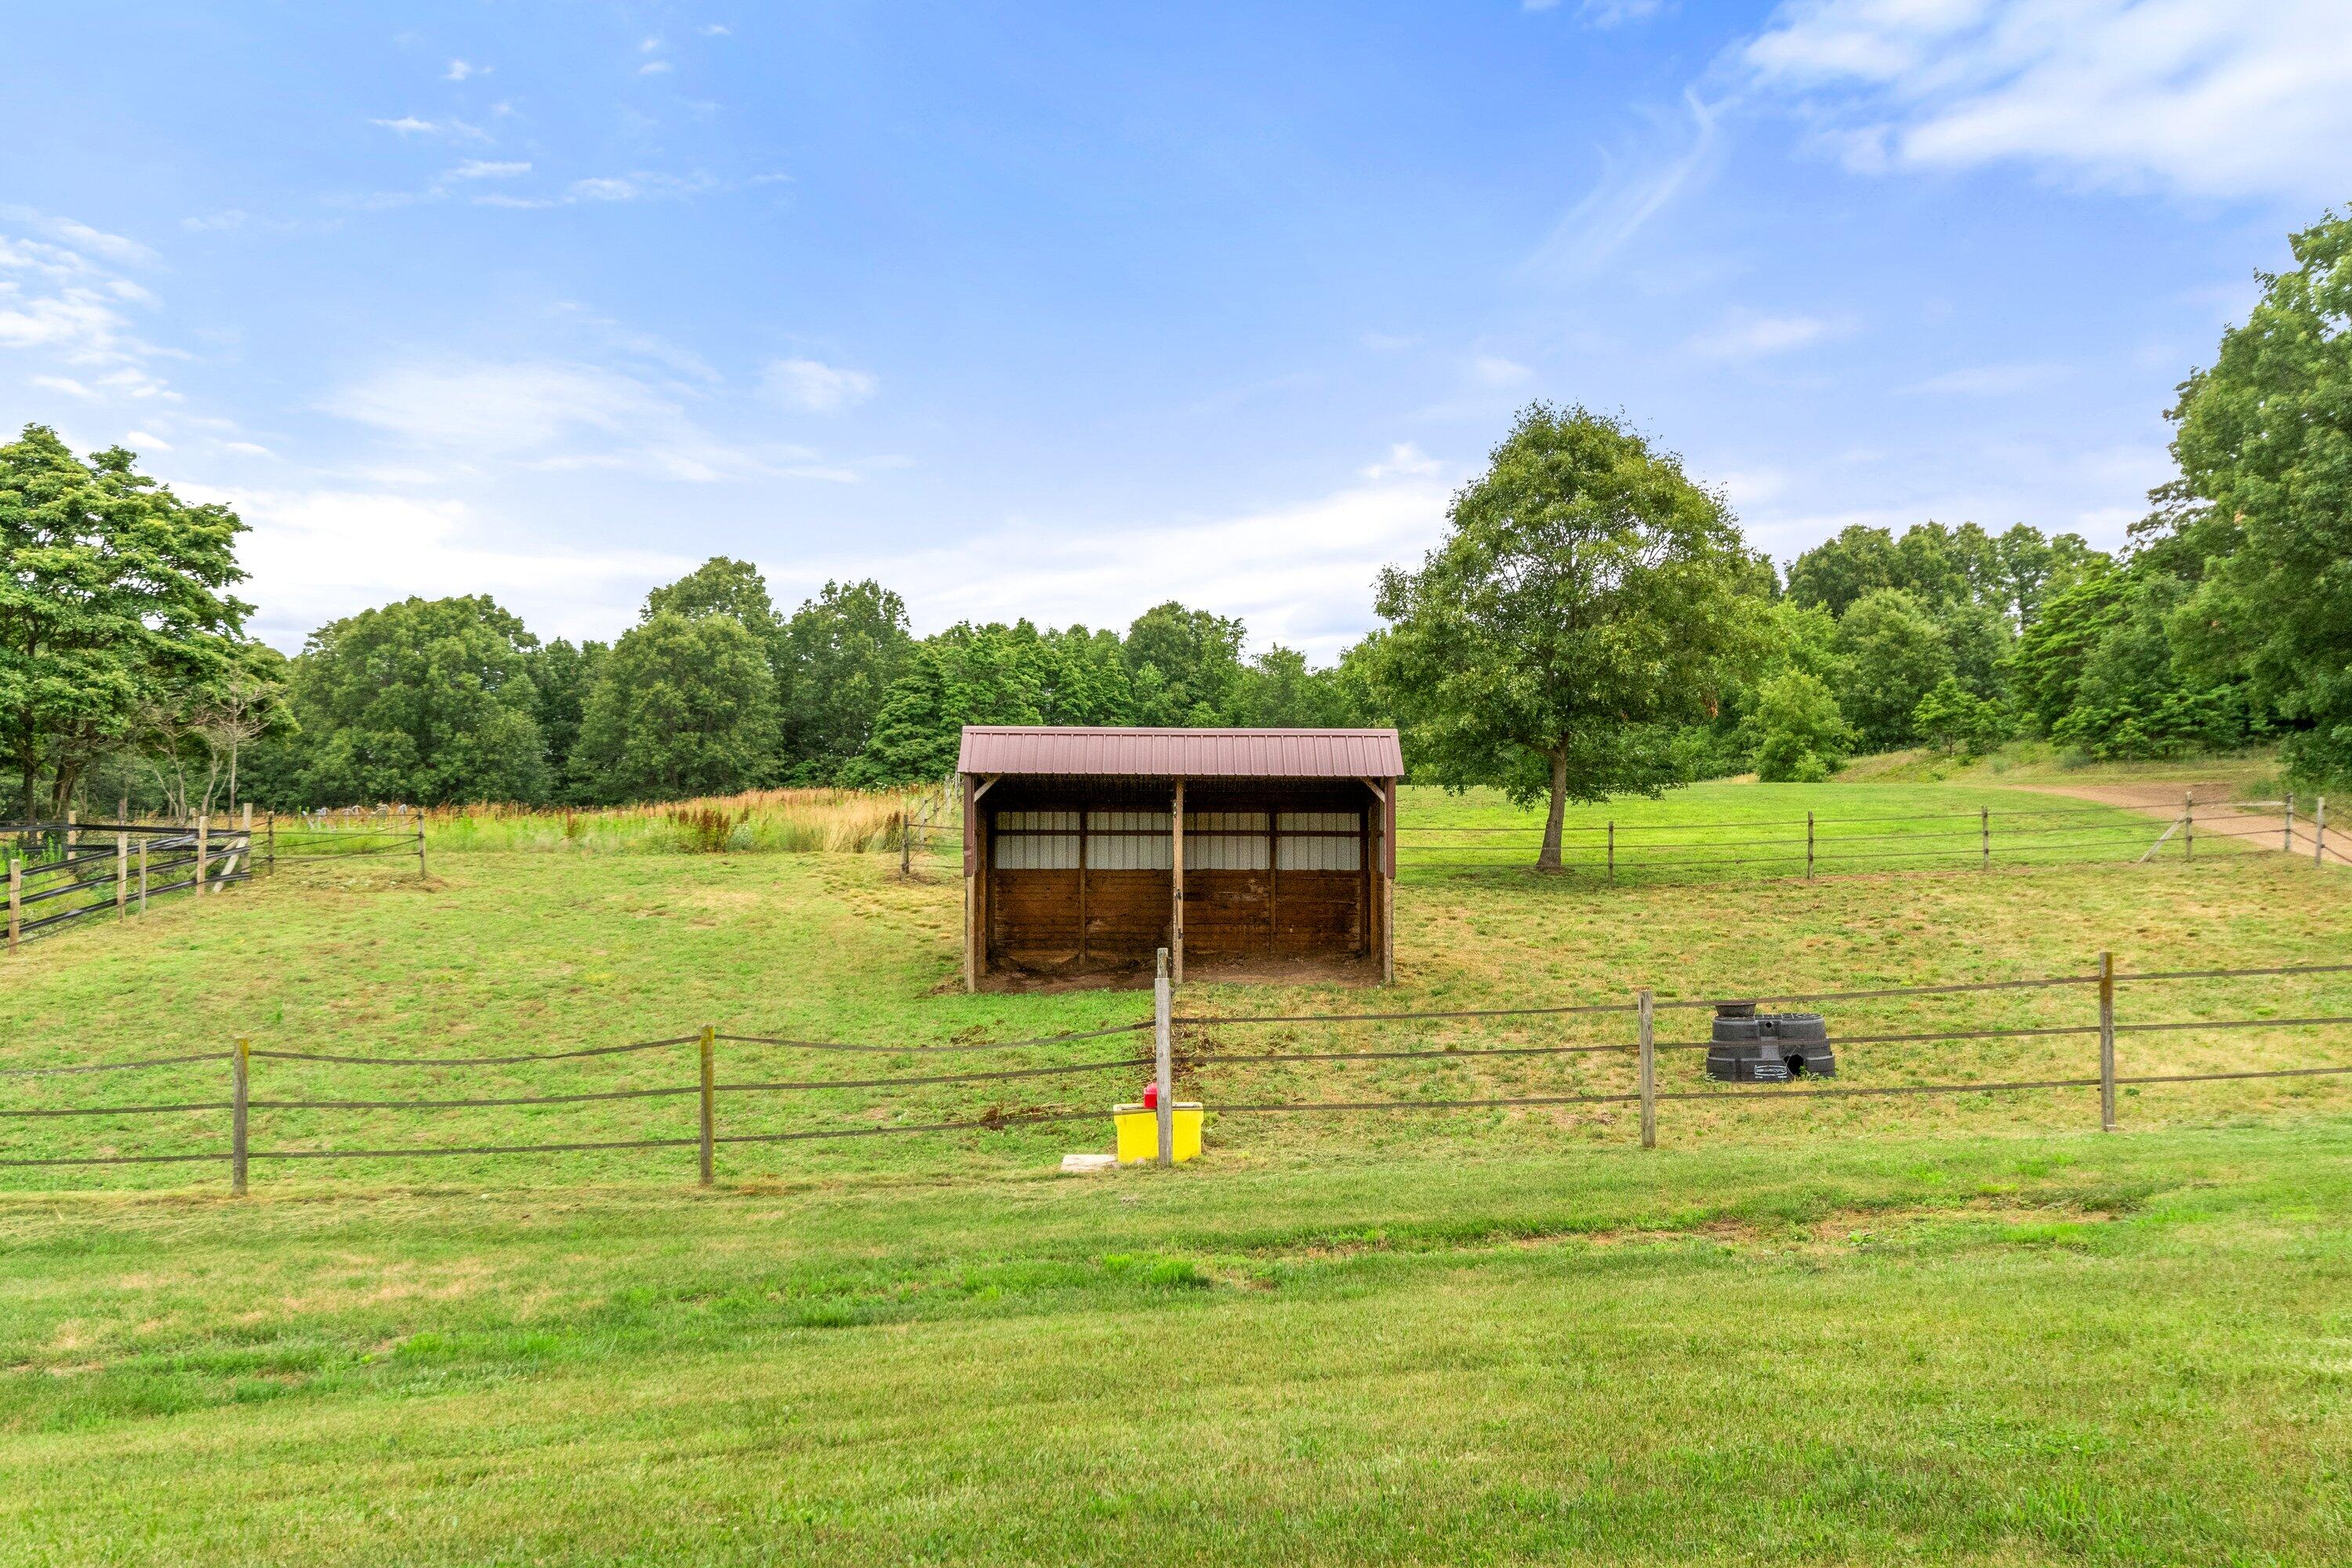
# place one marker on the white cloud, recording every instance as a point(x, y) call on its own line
point(1405, 460)
point(247, 450)
point(460, 70)
point(318, 555)
point(1989, 380)
point(452, 130)
point(1300, 574)
point(1615, 13)
point(2210, 98)
point(816, 387)
point(1494, 370)
point(481, 169)
point(555, 415)
point(654, 67)
point(64, 383)
point(716, 31)
point(1745, 336)
point(1629, 193)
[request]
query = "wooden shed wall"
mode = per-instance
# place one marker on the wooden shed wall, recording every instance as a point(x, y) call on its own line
point(1262, 877)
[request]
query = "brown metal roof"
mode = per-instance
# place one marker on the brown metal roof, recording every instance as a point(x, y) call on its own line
point(1181, 754)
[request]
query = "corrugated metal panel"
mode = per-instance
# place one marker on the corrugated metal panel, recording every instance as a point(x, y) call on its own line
point(1187, 754)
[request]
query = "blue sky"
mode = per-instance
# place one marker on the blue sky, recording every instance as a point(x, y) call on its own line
point(1062, 310)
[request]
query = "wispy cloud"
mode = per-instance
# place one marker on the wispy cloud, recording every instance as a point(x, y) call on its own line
point(817, 387)
point(448, 129)
point(1633, 189)
point(1747, 336)
point(1989, 380)
point(2212, 98)
point(482, 169)
point(1494, 370)
point(460, 70)
point(656, 68)
point(1405, 460)
point(557, 414)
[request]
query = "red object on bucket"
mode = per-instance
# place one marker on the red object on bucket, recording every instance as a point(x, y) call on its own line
point(1152, 1096)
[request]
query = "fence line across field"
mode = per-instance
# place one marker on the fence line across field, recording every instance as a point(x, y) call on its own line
point(1166, 1025)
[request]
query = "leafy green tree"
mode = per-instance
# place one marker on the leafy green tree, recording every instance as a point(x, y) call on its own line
point(841, 651)
point(1952, 718)
point(1588, 601)
point(2028, 567)
point(682, 706)
point(1278, 690)
point(2263, 439)
point(1895, 654)
point(114, 596)
point(1979, 638)
point(1183, 665)
point(1802, 736)
point(1835, 573)
point(563, 676)
point(720, 586)
point(426, 700)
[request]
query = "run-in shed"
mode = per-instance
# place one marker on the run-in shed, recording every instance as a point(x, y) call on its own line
point(1086, 850)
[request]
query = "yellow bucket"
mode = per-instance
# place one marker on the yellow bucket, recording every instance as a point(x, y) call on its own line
point(1138, 1132)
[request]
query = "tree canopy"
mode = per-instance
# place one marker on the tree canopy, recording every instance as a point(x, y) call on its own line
point(1588, 599)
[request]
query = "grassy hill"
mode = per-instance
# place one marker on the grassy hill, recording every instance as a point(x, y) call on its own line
point(1962, 1328)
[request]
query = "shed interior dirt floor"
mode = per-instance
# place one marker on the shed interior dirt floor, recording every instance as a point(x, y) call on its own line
point(1262, 971)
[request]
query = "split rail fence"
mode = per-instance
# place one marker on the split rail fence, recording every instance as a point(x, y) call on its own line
point(61, 872)
point(2096, 1028)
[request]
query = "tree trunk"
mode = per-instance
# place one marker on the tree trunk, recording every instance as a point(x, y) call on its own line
point(1548, 859)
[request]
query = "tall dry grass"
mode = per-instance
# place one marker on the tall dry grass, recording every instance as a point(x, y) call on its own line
point(841, 821)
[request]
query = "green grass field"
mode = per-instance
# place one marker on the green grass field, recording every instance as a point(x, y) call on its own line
point(1964, 1328)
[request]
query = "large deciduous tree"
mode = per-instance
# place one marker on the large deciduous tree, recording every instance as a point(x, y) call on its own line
point(2264, 440)
point(113, 595)
point(682, 706)
point(841, 651)
point(1588, 600)
point(426, 700)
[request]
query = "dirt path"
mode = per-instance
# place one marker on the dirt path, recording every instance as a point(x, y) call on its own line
point(2260, 824)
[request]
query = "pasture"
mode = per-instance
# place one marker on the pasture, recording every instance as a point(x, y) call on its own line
point(1961, 1328)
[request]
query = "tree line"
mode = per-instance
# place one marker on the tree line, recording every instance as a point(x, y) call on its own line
point(1592, 623)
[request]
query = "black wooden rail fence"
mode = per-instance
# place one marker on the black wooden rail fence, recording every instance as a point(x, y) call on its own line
point(1203, 1064)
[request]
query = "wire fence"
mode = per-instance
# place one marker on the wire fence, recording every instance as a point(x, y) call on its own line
point(1223, 1077)
point(1812, 845)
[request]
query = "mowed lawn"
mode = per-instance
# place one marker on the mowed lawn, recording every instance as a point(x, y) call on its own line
point(2051, 1348)
point(1962, 1328)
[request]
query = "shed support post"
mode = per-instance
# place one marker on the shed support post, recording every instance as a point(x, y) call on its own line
point(1162, 1070)
point(2106, 1042)
point(1176, 882)
point(1388, 880)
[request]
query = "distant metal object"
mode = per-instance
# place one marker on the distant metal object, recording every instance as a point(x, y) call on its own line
point(1748, 1046)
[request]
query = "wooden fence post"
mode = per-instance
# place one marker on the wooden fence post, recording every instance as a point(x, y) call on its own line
point(906, 848)
point(1161, 1071)
point(143, 873)
point(1984, 830)
point(240, 1076)
point(2319, 834)
point(2189, 824)
point(1613, 850)
point(2106, 1042)
point(2287, 826)
point(203, 850)
point(121, 875)
point(1644, 1007)
point(15, 897)
point(710, 1052)
point(420, 847)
